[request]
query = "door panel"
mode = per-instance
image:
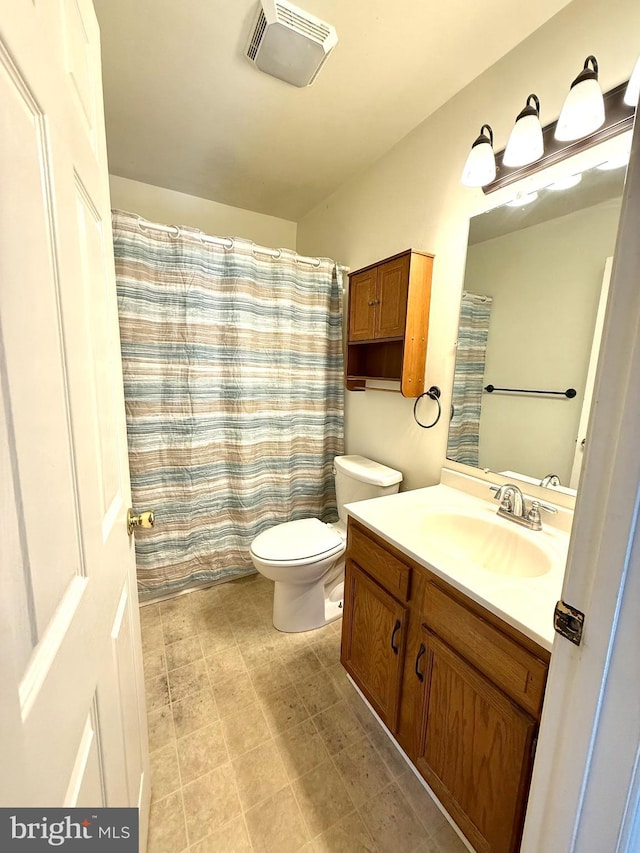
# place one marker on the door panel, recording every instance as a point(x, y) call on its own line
point(78, 61)
point(97, 302)
point(393, 290)
point(86, 786)
point(362, 296)
point(133, 714)
point(33, 350)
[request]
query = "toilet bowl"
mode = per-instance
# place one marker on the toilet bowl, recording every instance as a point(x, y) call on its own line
point(305, 558)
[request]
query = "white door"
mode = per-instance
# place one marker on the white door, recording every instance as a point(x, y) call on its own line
point(72, 713)
point(585, 794)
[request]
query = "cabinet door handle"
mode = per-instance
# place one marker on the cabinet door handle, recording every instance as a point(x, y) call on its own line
point(396, 628)
point(420, 653)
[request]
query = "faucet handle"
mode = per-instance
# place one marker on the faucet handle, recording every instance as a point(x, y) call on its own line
point(545, 507)
point(534, 513)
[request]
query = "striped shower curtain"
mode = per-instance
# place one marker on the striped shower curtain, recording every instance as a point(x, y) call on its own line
point(234, 397)
point(473, 333)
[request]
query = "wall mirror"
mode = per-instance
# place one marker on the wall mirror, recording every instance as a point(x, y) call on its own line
point(535, 289)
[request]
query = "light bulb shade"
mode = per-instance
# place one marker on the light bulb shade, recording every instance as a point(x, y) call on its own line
point(480, 168)
point(583, 110)
point(633, 87)
point(525, 143)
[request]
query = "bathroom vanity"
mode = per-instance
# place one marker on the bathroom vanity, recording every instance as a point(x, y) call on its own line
point(452, 655)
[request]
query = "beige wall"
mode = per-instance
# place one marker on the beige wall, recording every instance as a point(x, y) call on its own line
point(545, 282)
point(413, 198)
point(173, 208)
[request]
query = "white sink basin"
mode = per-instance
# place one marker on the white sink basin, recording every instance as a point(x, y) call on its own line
point(487, 542)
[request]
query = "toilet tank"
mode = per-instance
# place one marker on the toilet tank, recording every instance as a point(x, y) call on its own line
point(358, 479)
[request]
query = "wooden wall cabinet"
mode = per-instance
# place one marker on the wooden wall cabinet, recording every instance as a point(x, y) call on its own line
point(466, 706)
point(388, 322)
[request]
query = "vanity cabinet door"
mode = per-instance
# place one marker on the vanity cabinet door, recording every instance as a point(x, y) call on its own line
point(373, 641)
point(475, 749)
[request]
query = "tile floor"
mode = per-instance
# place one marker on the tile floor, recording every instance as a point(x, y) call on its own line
point(260, 743)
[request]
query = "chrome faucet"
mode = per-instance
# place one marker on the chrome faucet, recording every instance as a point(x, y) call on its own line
point(550, 480)
point(512, 502)
point(513, 506)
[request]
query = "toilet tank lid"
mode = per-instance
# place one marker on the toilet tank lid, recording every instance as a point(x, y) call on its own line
point(367, 471)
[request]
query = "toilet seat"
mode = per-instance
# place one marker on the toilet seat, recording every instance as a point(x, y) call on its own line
point(297, 543)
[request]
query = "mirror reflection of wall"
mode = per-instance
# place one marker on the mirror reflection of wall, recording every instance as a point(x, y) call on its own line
point(540, 268)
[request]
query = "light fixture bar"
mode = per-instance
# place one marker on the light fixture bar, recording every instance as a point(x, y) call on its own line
point(618, 117)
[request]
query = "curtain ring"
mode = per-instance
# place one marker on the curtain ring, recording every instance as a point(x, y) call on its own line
point(274, 254)
point(167, 230)
point(434, 394)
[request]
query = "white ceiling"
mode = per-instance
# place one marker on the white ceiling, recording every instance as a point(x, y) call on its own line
point(186, 110)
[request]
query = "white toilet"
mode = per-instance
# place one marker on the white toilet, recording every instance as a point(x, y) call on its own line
point(306, 558)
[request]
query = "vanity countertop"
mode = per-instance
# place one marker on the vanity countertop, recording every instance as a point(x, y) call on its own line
point(420, 523)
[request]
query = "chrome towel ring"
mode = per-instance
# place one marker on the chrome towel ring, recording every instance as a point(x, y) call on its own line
point(434, 394)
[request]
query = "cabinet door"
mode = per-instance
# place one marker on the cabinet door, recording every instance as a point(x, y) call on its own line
point(475, 749)
point(373, 638)
point(392, 293)
point(362, 305)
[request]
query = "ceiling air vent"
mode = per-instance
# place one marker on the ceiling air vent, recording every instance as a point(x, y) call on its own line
point(289, 43)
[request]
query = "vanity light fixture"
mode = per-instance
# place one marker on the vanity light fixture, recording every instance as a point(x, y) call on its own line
point(525, 143)
point(565, 183)
point(633, 87)
point(615, 117)
point(480, 168)
point(583, 110)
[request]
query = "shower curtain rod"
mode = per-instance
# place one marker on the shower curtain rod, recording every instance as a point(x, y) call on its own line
point(230, 242)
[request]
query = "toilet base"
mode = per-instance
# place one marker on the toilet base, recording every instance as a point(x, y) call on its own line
point(300, 607)
point(333, 604)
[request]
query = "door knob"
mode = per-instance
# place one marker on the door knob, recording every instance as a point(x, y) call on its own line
point(144, 519)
